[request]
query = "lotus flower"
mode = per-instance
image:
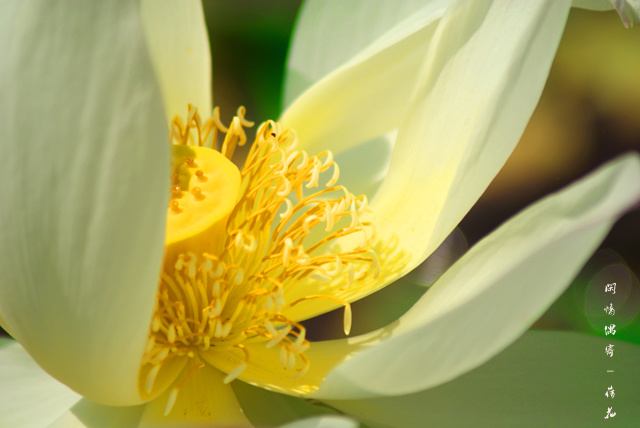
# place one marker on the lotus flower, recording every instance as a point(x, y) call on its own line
point(160, 281)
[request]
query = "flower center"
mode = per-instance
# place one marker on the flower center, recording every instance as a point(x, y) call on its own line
point(244, 247)
point(204, 189)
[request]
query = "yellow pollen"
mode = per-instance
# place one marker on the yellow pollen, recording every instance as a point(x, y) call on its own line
point(243, 247)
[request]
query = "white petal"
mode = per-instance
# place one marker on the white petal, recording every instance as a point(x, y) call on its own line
point(328, 421)
point(83, 206)
point(494, 292)
point(179, 46)
point(29, 397)
point(482, 79)
point(367, 96)
point(87, 414)
point(544, 379)
point(329, 34)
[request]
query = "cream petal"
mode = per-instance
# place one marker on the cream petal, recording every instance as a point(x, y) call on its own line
point(486, 68)
point(493, 293)
point(544, 379)
point(367, 96)
point(592, 4)
point(329, 34)
point(85, 194)
point(179, 47)
point(203, 400)
point(29, 397)
point(328, 421)
point(87, 414)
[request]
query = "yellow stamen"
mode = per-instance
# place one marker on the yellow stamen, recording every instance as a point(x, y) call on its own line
point(239, 242)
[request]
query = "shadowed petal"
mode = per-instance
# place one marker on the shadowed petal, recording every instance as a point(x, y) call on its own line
point(87, 159)
point(179, 48)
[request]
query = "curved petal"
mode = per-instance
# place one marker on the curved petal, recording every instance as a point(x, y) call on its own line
point(87, 414)
point(544, 379)
point(84, 204)
point(179, 47)
point(366, 97)
point(629, 11)
point(494, 292)
point(486, 68)
point(329, 34)
point(203, 400)
point(29, 397)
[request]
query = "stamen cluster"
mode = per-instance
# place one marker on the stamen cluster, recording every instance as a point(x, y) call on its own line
point(281, 247)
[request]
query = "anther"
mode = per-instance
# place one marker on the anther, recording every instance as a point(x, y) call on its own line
point(151, 378)
point(285, 189)
point(214, 310)
point(315, 174)
point(171, 401)
point(200, 176)
point(289, 209)
point(329, 160)
point(305, 161)
point(234, 373)
point(336, 175)
point(190, 162)
point(171, 334)
point(176, 192)
point(347, 319)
